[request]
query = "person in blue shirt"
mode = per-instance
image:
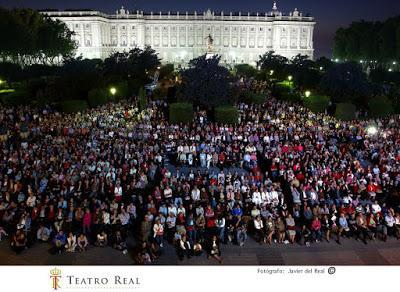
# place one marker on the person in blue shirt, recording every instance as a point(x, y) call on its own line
point(59, 241)
point(237, 211)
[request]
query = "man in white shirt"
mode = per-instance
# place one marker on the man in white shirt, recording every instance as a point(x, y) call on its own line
point(259, 227)
point(256, 197)
point(390, 221)
point(195, 194)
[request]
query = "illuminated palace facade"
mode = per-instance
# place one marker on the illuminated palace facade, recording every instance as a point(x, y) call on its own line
point(179, 37)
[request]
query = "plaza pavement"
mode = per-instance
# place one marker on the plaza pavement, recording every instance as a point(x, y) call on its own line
point(351, 252)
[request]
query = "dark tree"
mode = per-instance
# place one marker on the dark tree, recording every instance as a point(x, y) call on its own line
point(29, 37)
point(205, 82)
point(372, 41)
point(245, 70)
point(346, 82)
point(304, 72)
point(136, 64)
point(269, 61)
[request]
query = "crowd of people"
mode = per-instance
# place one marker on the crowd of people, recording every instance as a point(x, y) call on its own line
point(282, 175)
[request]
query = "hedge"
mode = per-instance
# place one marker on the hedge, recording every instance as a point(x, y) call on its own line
point(226, 115)
point(15, 98)
point(316, 103)
point(74, 105)
point(345, 111)
point(252, 97)
point(284, 93)
point(258, 98)
point(123, 91)
point(98, 97)
point(181, 112)
point(380, 107)
point(159, 93)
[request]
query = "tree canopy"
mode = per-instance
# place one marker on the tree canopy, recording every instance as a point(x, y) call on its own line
point(270, 61)
point(205, 82)
point(378, 41)
point(29, 37)
point(346, 82)
point(134, 64)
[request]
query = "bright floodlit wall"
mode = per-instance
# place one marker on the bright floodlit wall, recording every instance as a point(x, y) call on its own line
point(178, 38)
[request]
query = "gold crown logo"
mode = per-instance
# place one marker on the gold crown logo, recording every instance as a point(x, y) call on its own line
point(55, 272)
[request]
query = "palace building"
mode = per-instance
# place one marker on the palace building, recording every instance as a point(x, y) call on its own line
point(179, 37)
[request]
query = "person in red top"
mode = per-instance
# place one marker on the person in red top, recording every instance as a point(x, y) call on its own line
point(87, 221)
point(316, 229)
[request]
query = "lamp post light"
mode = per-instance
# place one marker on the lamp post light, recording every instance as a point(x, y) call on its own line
point(113, 91)
point(1, 82)
point(307, 93)
point(271, 72)
point(321, 68)
point(390, 70)
point(290, 77)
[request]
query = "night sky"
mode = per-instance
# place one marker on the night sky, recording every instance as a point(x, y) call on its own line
point(329, 14)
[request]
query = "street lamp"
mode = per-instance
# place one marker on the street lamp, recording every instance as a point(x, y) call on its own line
point(290, 77)
point(1, 82)
point(307, 93)
point(113, 91)
point(271, 72)
point(390, 70)
point(321, 68)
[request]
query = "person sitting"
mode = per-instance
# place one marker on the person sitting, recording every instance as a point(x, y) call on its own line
point(119, 242)
point(184, 248)
point(102, 240)
point(71, 243)
point(197, 249)
point(2, 232)
point(82, 242)
point(213, 249)
point(343, 227)
point(362, 229)
point(306, 235)
point(241, 231)
point(18, 242)
point(259, 228)
point(59, 241)
point(43, 233)
point(144, 255)
point(316, 229)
